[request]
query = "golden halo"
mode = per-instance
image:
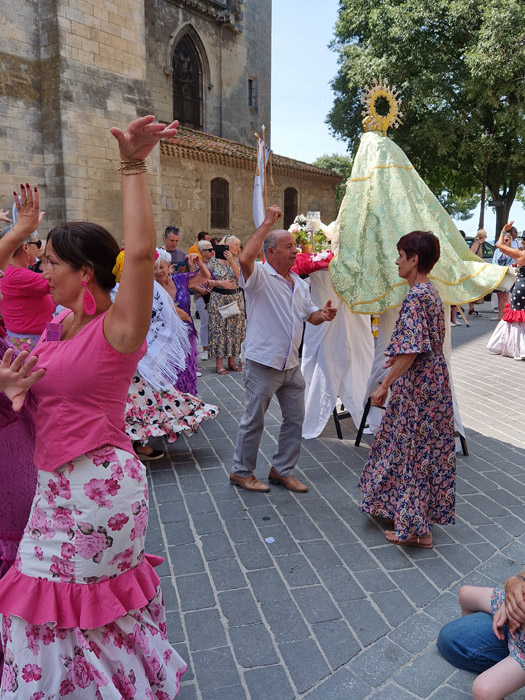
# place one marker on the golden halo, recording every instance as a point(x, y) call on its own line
point(373, 121)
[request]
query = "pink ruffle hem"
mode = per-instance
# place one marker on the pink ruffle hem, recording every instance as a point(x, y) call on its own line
point(513, 315)
point(84, 605)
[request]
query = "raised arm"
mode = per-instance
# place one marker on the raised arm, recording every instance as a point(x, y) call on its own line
point(517, 255)
point(28, 218)
point(203, 276)
point(127, 321)
point(254, 243)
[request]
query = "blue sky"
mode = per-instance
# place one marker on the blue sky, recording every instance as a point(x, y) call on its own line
point(302, 69)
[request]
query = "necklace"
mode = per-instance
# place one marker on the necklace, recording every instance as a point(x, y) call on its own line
point(75, 327)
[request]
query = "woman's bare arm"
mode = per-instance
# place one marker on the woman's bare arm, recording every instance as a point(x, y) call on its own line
point(127, 321)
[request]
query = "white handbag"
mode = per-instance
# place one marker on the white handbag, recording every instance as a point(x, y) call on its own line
point(229, 310)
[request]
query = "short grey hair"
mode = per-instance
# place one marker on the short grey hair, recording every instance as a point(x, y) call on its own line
point(228, 238)
point(270, 241)
point(204, 245)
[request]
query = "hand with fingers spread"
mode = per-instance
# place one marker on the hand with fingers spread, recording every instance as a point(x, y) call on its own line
point(4, 216)
point(141, 137)
point(27, 206)
point(17, 376)
point(28, 218)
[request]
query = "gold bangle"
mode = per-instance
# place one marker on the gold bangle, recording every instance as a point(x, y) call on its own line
point(132, 167)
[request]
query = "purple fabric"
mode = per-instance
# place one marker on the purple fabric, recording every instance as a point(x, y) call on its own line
point(183, 298)
point(17, 473)
point(187, 381)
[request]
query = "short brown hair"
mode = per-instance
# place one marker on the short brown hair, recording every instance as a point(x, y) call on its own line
point(424, 244)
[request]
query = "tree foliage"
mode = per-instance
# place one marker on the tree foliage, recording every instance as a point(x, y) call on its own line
point(459, 66)
point(342, 165)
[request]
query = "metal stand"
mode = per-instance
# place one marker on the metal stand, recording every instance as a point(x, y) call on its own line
point(362, 426)
point(338, 417)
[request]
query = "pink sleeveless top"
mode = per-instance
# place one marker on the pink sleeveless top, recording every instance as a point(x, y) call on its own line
point(80, 402)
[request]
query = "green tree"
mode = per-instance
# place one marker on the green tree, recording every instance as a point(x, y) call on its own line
point(342, 165)
point(459, 68)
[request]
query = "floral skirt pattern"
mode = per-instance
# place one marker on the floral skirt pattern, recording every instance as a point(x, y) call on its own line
point(410, 474)
point(26, 343)
point(152, 413)
point(80, 560)
point(516, 640)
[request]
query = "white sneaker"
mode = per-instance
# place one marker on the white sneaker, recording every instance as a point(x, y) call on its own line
point(452, 323)
point(204, 355)
point(198, 374)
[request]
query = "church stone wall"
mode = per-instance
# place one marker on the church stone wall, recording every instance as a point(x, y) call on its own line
point(230, 58)
point(186, 197)
point(75, 68)
point(20, 88)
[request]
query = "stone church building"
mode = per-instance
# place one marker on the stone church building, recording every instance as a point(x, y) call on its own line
point(70, 69)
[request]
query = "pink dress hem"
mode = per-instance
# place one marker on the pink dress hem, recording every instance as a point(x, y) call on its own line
point(84, 605)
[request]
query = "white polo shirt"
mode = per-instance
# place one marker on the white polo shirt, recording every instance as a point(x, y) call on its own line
point(275, 312)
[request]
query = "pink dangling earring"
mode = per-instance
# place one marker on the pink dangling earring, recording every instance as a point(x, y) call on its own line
point(90, 305)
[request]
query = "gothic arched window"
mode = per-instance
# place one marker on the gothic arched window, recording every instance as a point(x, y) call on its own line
point(187, 84)
point(290, 206)
point(220, 203)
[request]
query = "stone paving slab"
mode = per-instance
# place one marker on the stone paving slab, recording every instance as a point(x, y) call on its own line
point(329, 610)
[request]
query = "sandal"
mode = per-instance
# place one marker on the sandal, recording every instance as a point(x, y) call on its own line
point(410, 542)
point(474, 313)
point(233, 368)
point(221, 371)
point(148, 456)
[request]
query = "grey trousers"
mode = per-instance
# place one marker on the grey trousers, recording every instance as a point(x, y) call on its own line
point(261, 383)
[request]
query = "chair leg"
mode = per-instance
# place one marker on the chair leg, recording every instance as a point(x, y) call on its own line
point(337, 424)
point(362, 425)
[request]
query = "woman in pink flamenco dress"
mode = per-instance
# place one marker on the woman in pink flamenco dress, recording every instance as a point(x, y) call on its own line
point(82, 609)
point(508, 338)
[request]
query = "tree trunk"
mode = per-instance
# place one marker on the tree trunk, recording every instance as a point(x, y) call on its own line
point(481, 223)
point(507, 197)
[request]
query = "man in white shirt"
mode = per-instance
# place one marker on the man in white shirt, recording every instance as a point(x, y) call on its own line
point(277, 304)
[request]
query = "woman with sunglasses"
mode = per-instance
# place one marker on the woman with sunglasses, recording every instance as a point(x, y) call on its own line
point(27, 305)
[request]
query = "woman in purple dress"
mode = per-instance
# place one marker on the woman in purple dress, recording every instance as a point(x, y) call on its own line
point(409, 477)
point(178, 287)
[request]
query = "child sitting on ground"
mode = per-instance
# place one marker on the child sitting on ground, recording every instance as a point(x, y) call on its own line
point(508, 675)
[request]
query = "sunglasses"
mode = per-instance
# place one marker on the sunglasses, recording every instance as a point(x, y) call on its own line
point(206, 250)
point(37, 243)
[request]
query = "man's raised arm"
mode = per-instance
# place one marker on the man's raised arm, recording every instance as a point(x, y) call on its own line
point(254, 243)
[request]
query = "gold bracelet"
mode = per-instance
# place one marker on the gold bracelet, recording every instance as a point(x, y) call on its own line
point(132, 167)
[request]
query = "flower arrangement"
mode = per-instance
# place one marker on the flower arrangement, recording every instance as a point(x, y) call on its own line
point(299, 229)
point(303, 236)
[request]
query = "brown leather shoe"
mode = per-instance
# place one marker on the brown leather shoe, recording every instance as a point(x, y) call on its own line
point(289, 482)
point(249, 483)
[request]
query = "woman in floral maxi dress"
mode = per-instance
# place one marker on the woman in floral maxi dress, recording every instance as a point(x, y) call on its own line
point(409, 477)
point(82, 609)
point(226, 335)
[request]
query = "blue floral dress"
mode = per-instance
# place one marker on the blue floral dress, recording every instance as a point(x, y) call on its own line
point(410, 474)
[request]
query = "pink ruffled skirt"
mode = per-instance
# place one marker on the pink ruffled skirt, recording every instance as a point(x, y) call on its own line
point(508, 338)
point(82, 611)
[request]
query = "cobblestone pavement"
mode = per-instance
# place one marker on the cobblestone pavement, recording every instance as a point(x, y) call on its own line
point(329, 610)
